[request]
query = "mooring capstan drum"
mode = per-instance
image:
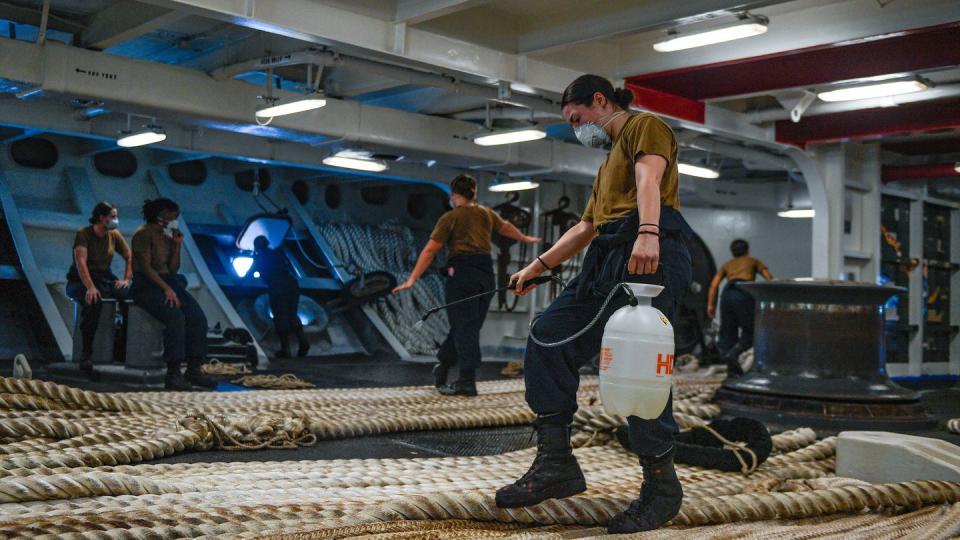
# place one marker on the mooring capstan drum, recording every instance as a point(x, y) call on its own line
point(819, 357)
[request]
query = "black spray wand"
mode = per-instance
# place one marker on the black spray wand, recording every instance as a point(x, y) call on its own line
point(535, 281)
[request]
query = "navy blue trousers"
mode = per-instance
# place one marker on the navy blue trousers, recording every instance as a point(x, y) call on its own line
point(184, 327)
point(472, 274)
point(90, 313)
point(552, 374)
point(736, 319)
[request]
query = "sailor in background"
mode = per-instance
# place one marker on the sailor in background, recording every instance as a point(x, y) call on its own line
point(736, 305)
point(159, 289)
point(283, 289)
point(466, 231)
point(90, 278)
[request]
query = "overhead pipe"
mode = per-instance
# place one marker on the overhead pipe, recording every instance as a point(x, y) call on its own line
point(938, 92)
point(397, 73)
point(891, 173)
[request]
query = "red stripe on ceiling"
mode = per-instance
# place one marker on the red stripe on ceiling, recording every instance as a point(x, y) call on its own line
point(914, 117)
point(920, 49)
point(668, 104)
point(909, 172)
point(925, 147)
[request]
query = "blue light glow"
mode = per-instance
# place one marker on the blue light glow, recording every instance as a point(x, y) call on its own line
point(241, 265)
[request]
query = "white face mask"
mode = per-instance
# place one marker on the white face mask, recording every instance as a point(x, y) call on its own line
point(170, 227)
point(112, 224)
point(593, 135)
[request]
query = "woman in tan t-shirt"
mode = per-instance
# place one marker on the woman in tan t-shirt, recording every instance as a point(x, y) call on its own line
point(161, 290)
point(90, 278)
point(635, 233)
point(466, 231)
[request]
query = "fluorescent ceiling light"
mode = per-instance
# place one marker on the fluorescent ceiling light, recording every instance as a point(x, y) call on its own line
point(299, 105)
point(241, 265)
point(796, 213)
point(693, 170)
point(510, 137)
point(747, 27)
point(513, 186)
point(359, 164)
point(148, 135)
point(873, 91)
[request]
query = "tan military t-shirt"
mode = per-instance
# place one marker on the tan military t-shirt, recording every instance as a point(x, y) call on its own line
point(150, 238)
point(743, 268)
point(467, 229)
point(100, 250)
point(615, 188)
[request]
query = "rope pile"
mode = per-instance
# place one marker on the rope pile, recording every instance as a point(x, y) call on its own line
point(394, 248)
point(72, 465)
point(287, 381)
point(216, 367)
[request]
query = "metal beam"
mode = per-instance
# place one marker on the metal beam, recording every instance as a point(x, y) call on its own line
point(649, 16)
point(814, 24)
point(33, 273)
point(123, 21)
point(177, 93)
point(372, 38)
point(821, 108)
point(418, 11)
point(321, 23)
point(32, 16)
point(923, 49)
point(396, 73)
point(914, 117)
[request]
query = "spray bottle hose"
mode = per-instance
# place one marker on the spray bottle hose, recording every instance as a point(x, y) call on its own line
point(620, 286)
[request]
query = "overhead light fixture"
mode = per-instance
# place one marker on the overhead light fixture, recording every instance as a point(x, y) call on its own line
point(357, 160)
point(956, 166)
point(510, 136)
point(241, 265)
point(306, 103)
point(519, 185)
point(879, 90)
point(148, 135)
point(797, 213)
point(694, 170)
point(747, 26)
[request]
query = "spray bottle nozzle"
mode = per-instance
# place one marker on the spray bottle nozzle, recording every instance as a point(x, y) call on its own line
point(631, 298)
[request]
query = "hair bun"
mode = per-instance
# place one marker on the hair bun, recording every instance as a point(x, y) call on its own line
point(623, 97)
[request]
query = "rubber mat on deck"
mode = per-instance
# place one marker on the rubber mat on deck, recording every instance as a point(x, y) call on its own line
point(468, 442)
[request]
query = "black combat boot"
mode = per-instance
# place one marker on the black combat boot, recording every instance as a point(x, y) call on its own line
point(196, 376)
point(440, 372)
point(659, 500)
point(175, 380)
point(459, 388)
point(466, 385)
point(732, 359)
point(555, 473)
point(86, 367)
point(303, 344)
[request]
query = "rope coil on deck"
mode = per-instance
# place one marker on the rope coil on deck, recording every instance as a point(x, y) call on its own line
point(75, 470)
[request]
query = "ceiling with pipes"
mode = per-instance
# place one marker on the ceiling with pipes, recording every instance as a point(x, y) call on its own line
point(413, 82)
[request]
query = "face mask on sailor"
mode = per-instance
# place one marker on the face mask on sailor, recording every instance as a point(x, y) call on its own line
point(589, 122)
point(168, 220)
point(111, 221)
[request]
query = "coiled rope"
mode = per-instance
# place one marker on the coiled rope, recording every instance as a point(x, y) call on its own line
point(75, 470)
